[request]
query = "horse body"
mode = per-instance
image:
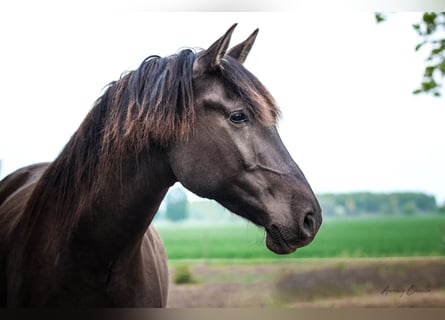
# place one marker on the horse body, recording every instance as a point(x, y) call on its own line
point(77, 231)
point(94, 269)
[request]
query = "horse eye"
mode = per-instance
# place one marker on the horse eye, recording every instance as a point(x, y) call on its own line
point(238, 117)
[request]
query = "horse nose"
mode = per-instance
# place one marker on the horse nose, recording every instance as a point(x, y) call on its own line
point(308, 226)
point(310, 223)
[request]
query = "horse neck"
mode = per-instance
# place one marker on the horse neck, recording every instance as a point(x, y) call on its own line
point(119, 211)
point(112, 211)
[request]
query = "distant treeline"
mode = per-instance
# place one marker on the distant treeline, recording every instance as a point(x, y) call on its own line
point(368, 203)
point(177, 207)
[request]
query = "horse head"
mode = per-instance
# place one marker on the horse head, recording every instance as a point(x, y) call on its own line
point(234, 153)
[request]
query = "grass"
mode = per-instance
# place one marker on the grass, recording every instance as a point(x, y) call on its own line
point(343, 238)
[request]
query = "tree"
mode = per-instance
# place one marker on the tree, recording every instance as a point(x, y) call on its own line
point(176, 204)
point(431, 29)
point(368, 203)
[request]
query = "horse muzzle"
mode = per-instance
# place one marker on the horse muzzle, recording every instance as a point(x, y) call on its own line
point(283, 239)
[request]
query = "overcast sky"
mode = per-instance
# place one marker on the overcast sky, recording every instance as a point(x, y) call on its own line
point(343, 83)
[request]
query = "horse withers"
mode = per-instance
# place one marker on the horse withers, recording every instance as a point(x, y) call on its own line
point(77, 231)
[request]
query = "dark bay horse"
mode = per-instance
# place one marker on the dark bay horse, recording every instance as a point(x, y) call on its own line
point(76, 232)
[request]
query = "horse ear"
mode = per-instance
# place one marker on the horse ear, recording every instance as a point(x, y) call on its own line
point(240, 51)
point(211, 58)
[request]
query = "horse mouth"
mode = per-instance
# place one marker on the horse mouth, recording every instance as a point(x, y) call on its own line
point(276, 243)
point(283, 242)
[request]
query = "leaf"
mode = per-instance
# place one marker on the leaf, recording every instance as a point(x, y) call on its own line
point(428, 85)
point(419, 46)
point(429, 71)
point(429, 17)
point(437, 50)
point(441, 67)
point(417, 28)
point(379, 17)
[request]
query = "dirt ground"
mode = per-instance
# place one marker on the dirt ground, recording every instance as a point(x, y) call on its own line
point(401, 282)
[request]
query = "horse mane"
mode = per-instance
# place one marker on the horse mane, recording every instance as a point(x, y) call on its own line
point(151, 106)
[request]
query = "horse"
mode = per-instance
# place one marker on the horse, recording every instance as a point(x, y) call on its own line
point(77, 232)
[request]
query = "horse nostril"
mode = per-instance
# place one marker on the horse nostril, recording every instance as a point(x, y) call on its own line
point(309, 224)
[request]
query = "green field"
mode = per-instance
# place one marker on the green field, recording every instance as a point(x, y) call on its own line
point(360, 237)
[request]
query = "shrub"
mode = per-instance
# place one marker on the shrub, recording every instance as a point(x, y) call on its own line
point(183, 275)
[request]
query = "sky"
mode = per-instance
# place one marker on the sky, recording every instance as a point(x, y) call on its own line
point(343, 83)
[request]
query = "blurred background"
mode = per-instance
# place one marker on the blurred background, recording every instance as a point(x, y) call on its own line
point(362, 115)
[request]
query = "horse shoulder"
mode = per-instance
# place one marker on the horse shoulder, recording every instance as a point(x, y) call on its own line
point(154, 260)
point(15, 191)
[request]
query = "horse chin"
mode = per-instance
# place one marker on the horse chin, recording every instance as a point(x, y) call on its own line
point(276, 243)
